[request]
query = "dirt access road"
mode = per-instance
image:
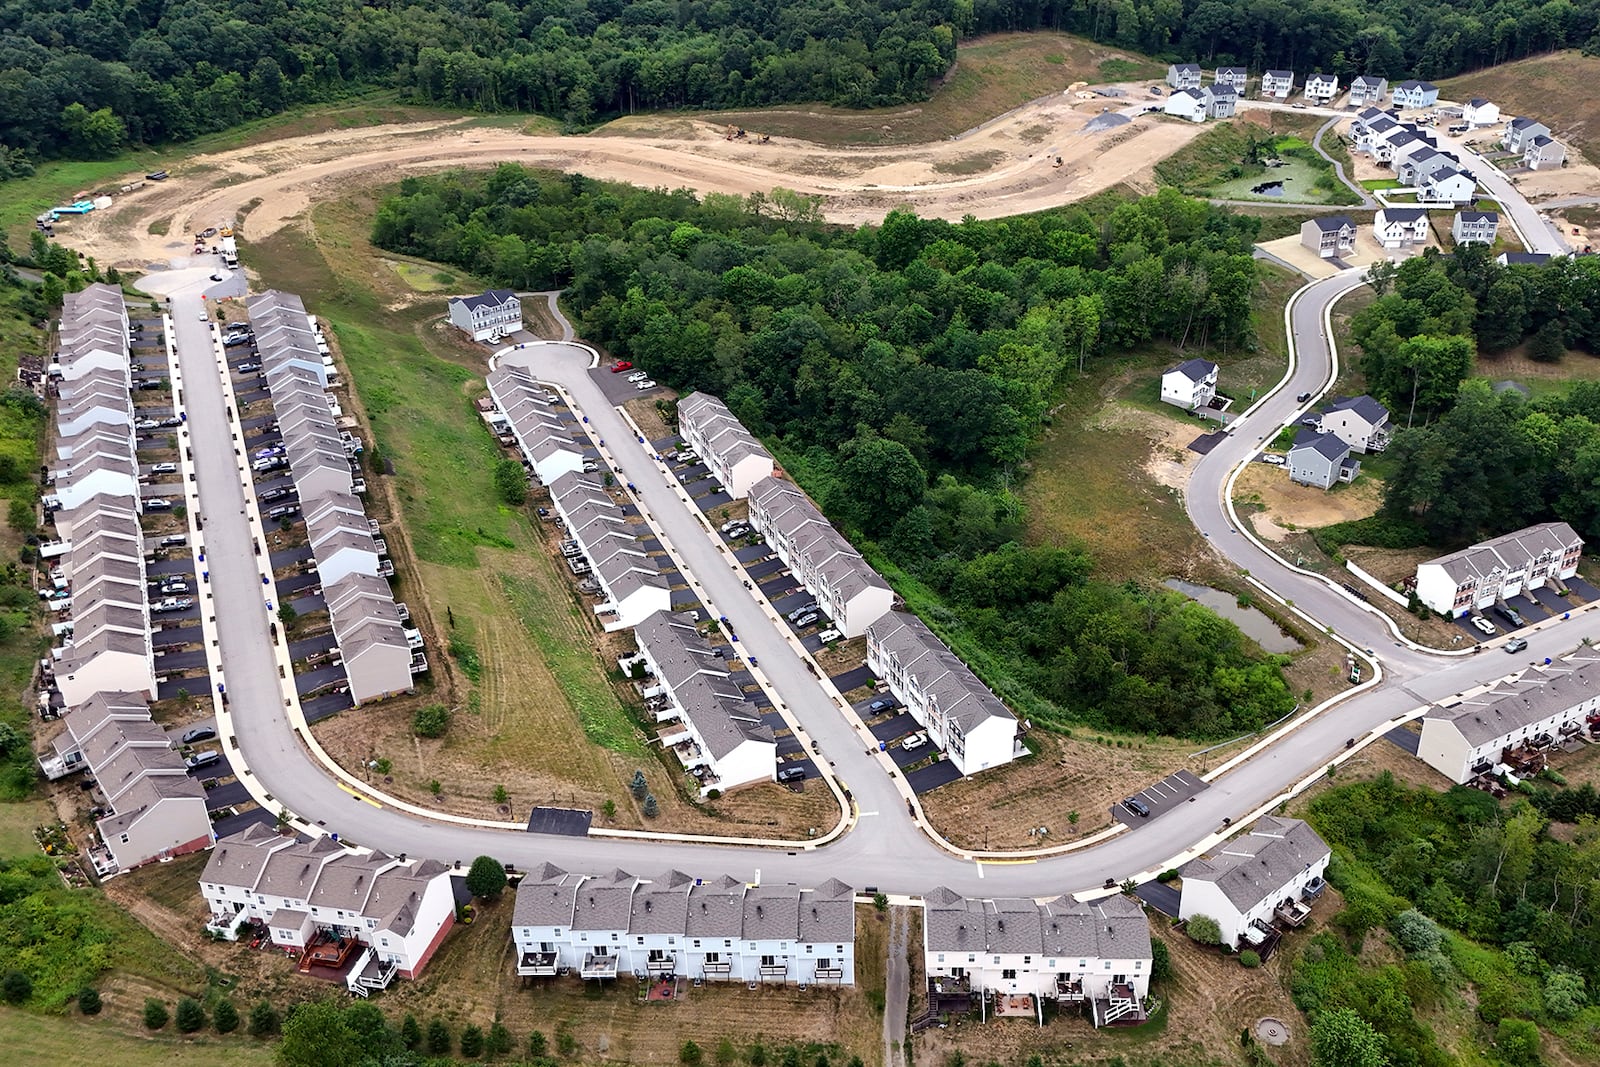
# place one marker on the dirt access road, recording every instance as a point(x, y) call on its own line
point(1004, 167)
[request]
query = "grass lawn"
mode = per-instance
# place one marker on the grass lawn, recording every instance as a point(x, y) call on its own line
point(68, 1038)
point(1373, 184)
point(992, 75)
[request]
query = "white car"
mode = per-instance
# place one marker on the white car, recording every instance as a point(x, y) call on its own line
point(638, 376)
point(1483, 624)
point(1275, 460)
point(829, 635)
point(646, 384)
point(915, 741)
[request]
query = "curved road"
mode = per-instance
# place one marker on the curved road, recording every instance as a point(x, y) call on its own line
point(885, 848)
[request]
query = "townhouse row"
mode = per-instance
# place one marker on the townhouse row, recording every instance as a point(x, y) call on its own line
point(1318, 87)
point(600, 926)
point(380, 653)
point(630, 578)
point(1491, 572)
point(523, 408)
point(358, 917)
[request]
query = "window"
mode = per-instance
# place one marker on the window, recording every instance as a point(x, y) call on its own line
point(769, 961)
point(941, 957)
point(384, 941)
point(124, 839)
point(713, 957)
point(1027, 961)
point(697, 942)
point(840, 949)
point(639, 940)
point(1009, 974)
point(997, 960)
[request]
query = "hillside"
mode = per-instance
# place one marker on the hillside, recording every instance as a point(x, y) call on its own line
point(1561, 89)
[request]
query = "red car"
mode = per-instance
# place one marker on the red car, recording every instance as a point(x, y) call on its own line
point(621, 365)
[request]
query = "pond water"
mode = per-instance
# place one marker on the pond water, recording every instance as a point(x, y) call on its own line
point(1256, 626)
point(1268, 189)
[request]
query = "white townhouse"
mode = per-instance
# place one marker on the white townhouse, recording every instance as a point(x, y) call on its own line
point(1521, 130)
point(1184, 75)
point(717, 734)
point(1474, 225)
point(547, 444)
point(1359, 421)
point(154, 810)
point(1480, 112)
point(1401, 227)
point(1271, 871)
point(1368, 89)
point(1191, 384)
point(1491, 571)
point(1096, 954)
point(723, 930)
point(1448, 185)
point(488, 316)
point(1329, 236)
point(1397, 143)
point(1277, 83)
point(1545, 706)
point(110, 648)
point(848, 591)
point(1417, 162)
point(732, 452)
point(1413, 94)
point(1191, 104)
point(1234, 77)
point(630, 578)
point(1543, 153)
point(368, 915)
point(972, 725)
point(340, 536)
point(1322, 87)
point(377, 651)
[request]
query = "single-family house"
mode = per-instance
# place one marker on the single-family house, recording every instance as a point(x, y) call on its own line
point(718, 734)
point(1096, 954)
point(1474, 225)
point(488, 316)
point(1188, 104)
point(1521, 130)
point(1359, 421)
point(1542, 707)
point(1448, 185)
point(1321, 459)
point(1184, 75)
point(1234, 77)
point(972, 725)
point(1277, 83)
point(1401, 227)
point(1543, 153)
point(1321, 88)
point(1418, 162)
point(1491, 571)
point(848, 590)
point(1329, 236)
point(734, 455)
point(1269, 873)
point(1191, 384)
point(1368, 89)
point(1222, 101)
point(1480, 112)
point(1413, 93)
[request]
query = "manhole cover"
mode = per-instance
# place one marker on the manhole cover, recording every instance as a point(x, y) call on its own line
point(1272, 1031)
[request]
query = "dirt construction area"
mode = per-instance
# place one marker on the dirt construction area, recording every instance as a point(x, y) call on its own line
point(1000, 168)
point(1288, 506)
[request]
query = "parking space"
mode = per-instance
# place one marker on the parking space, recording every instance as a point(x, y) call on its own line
point(1530, 610)
point(1407, 740)
point(1161, 897)
point(295, 584)
point(234, 824)
point(313, 680)
point(565, 822)
point(1464, 624)
point(765, 568)
point(713, 500)
point(312, 646)
point(684, 599)
point(751, 553)
point(321, 707)
point(926, 779)
point(1160, 798)
point(852, 679)
point(780, 586)
point(1582, 589)
point(184, 660)
point(892, 728)
point(1551, 601)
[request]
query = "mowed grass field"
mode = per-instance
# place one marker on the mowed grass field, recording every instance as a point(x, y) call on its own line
point(545, 718)
point(1561, 89)
point(992, 75)
point(70, 1039)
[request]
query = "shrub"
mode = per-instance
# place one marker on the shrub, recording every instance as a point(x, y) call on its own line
point(1564, 993)
point(191, 1016)
point(1160, 961)
point(639, 787)
point(16, 987)
point(438, 1037)
point(497, 1042)
point(511, 482)
point(410, 1032)
point(472, 1042)
point(1250, 959)
point(1416, 933)
point(651, 808)
point(690, 1054)
point(538, 1047)
point(431, 721)
point(155, 1014)
point(1518, 1042)
point(89, 1000)
point(225, 1017)
point(486, 878)
point(1203, 930)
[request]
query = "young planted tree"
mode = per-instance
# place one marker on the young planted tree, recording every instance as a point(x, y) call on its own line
point(16, 987)
point(89, 1000)
point(472, 1042)
point(225, 1017)
point(438, 1037)
point(190, 1015)
point(410, 1032)
point(264, 1019)
point(155, 1014)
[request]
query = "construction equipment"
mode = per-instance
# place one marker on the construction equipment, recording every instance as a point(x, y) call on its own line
point(766, 138)
point(735, 133)
point(1057, 163)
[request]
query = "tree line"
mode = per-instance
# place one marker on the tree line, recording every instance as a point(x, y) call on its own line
point(1470, 461)
point(901, 372)
point(84, 79)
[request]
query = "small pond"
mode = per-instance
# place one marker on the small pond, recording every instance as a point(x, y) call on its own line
point(1256, 626)
point(1268, 189)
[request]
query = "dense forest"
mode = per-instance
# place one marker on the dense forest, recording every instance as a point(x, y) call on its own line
point(1486, 905)
point(1518, 460)
point(900, 372)
point(82, 78)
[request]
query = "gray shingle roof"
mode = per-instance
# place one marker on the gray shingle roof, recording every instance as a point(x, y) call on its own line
point(1533, 697)
point(661, 906)
point(771, 913)
point(1363, 405)
point(1333, 223)
point(940, 674)
point(604, 902)
point(716, 908)
point(1508, 552)
point(491, 298)
point(1404, 214)
point(1255, 866)
point(1327, 445)
point(1194, 369)
point(828, 913)
point(1112, 928)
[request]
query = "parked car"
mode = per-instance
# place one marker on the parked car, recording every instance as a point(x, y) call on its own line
point(792, 774)
point(234, 339)
point(1516, 644)
point(590, 466)
point(157, 176)
point(203, 316)
point(147, 424)
point(737, 531)
point(283, 511)
point(1483, 624)
point(158, 503)
point(173, 540)
point(1137, 806)
point(621, 365)
point(202, 759)
point(172, 603)
point(174, 585)
point(247, 367)
point(164, 468)
point(638, 376)
point(276, 494)
point(828, 635)
point(883, 704)
point(1273, 458)
point(648, 383)
point(915, 741)
point(806, 620)
point(1509, 613)
point(808, 606)
point(172, 420)
point(199, 733)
